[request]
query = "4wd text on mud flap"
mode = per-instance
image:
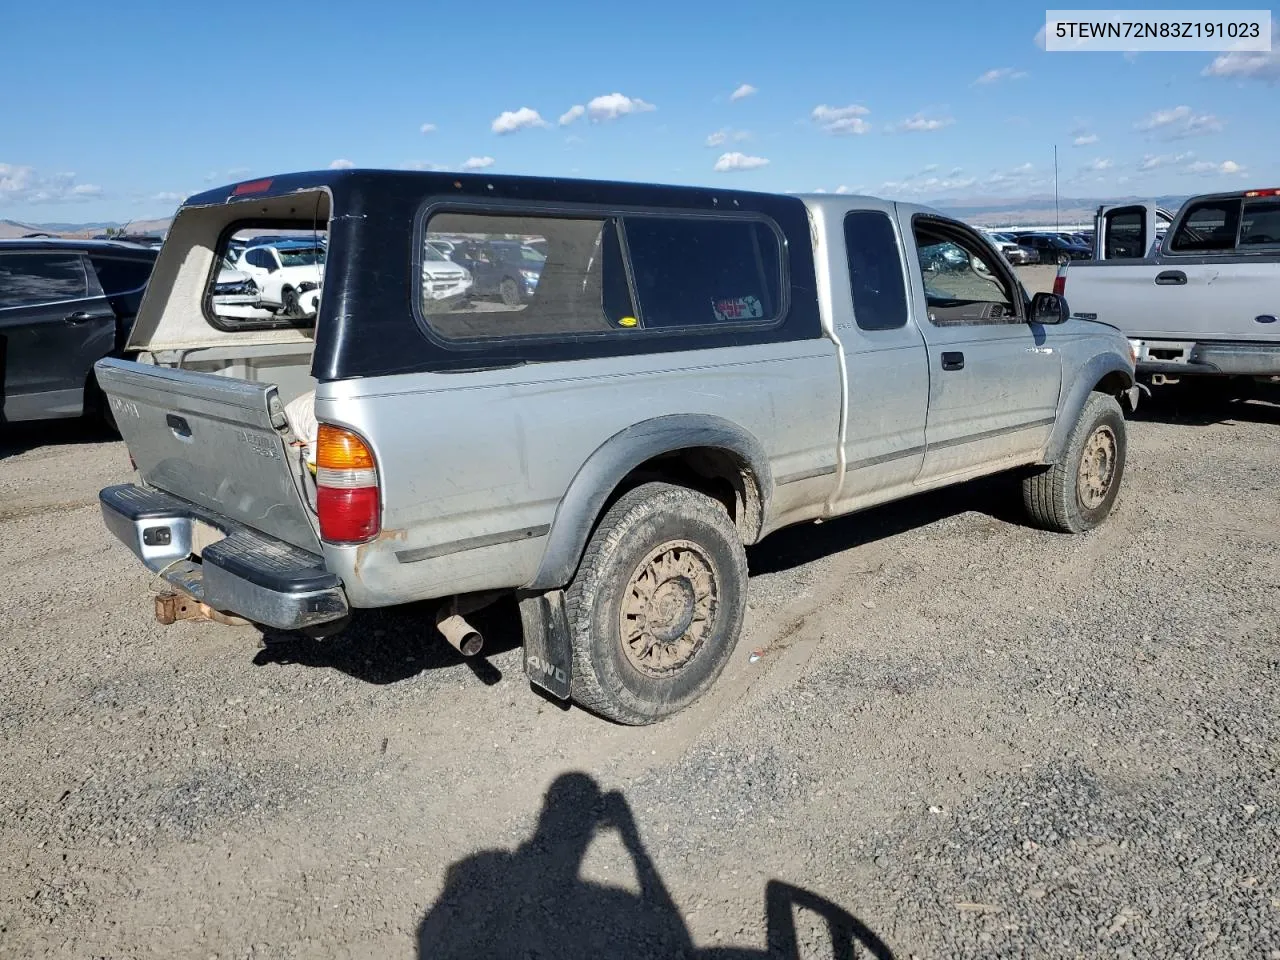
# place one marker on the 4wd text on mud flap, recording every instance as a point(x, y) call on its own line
point(546, 668)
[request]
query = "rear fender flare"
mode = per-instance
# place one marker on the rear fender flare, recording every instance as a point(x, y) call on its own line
point(609, 465)
point(1087, 377)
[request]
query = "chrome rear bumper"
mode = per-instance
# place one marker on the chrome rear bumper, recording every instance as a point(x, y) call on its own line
point(243, 572)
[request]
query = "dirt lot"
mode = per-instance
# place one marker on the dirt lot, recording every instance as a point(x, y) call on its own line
point(963, 738)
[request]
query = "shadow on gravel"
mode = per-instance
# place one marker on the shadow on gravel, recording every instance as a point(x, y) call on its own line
point(396, 643)
point(16, 438)
point(999, 497)
point(1202, 404)
point(532, 901)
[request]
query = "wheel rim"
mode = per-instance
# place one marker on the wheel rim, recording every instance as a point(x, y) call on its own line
point(1097, 467)
point(668, 608)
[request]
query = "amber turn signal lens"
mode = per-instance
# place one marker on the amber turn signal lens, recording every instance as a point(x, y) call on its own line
point(339, 449)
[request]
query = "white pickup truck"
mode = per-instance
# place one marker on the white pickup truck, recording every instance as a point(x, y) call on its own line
point(1204, 301)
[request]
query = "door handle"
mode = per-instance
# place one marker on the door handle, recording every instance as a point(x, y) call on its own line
point(79, 316)
point(1265, 318)
point(952, 361)
point(1171, 278)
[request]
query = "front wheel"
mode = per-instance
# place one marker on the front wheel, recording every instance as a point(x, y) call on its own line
point(289, 304)
point(657, 604)
point(1076, 494)
point(510, 292)
point(1064, 258)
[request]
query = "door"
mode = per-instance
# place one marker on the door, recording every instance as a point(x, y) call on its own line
point(994, 379)
point(54, 323)
point(1129, 231)
point(886, 361)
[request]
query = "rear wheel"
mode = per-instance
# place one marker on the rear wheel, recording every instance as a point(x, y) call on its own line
point(1064, 258)
point(1077, 493)
point(510, 291)
point(289, 302)
point(657, 604)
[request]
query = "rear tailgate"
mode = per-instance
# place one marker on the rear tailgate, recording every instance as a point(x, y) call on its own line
point(215, 441)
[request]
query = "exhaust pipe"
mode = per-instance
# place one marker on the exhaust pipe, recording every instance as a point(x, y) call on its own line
point(461, 635)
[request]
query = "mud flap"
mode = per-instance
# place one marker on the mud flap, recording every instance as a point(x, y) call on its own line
point(548, 654)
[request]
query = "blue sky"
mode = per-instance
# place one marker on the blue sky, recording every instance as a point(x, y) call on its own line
point(132, 106)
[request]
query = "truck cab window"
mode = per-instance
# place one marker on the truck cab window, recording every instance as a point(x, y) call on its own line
point(960, 285)
point(1208, 227)
point(875, 271)
point(1260, 223)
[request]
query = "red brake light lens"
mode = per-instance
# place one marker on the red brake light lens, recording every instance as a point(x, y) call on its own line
point(1060, 285)
point(348, 515)
point(1262, 193)
point(251, 186)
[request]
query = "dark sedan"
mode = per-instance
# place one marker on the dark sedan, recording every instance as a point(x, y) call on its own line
point(64, 304)
point(1053, 249)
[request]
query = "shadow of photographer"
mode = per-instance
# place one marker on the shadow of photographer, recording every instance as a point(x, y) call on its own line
point(532, 901)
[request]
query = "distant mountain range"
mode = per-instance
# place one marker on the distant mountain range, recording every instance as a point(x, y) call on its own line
point(981, 211)
point(1036, 210)
point(13, 229)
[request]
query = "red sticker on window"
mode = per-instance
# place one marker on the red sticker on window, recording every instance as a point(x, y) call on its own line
point(738, 308)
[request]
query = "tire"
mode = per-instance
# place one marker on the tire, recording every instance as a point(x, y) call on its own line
point(510, 292)
point(289, 302)
point(1072, 496)
point(664, 550)
point(1064, 258)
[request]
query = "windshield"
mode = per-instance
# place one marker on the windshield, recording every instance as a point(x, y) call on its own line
point(433, 253)
point(528, 253)
point(300, 256)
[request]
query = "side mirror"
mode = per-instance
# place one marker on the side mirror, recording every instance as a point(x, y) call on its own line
point(1049, 308)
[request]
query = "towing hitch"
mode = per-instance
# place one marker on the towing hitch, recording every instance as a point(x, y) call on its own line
point(172, 607)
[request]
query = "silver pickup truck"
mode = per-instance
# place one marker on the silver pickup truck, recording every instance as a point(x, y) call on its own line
point(1204, 301)
point(685, 371)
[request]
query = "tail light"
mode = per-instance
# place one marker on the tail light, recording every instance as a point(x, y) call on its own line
point(1060, 284)
point(347, 498)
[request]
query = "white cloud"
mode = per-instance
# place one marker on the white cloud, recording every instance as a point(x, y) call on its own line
point(611, 106)
point(1097, 166)
point(840, 120)
point(422, 165)
point(572, 114)
point(996, 74)
point(843, 189)
point(1249, 64)
point(921, 123)
point(341, 164)
point(738, 161)
point(1153, 161)
point(723, 136)
point(745, 90)
point(1085, 140)
point(1227, 168)
point(23, 184)
point(926, 183)
point(168, 196)
point(427, 128)
point(211, 176)
point(509, 121)
point(1179, 122)
point(477, 163)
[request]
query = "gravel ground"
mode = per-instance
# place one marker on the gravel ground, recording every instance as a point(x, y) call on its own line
point(962, 738)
